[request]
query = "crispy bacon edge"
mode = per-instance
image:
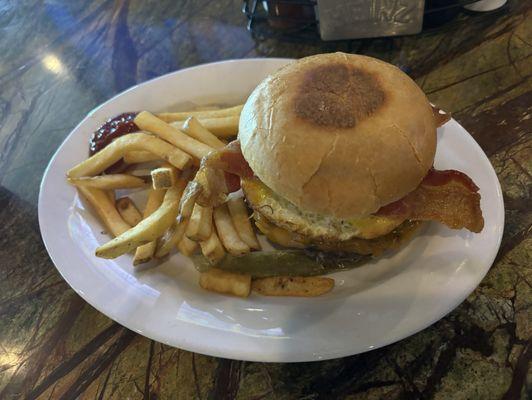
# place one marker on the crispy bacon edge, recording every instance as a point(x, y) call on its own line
point(440, 116)
point(448, 196)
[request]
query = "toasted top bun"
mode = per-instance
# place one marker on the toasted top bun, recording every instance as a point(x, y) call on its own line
point(339, 134)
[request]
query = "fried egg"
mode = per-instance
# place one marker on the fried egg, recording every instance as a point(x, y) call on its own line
point(314, 226)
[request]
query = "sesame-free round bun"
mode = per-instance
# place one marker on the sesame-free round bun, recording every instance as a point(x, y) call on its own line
point(339, 134)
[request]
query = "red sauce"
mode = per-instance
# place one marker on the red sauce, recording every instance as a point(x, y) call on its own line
point(113, 128)
point(439, 178)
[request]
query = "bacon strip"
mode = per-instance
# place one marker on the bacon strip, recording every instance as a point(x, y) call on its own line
point(440, 116)
point(219, 174)
point(449, 197)
point(230, 160)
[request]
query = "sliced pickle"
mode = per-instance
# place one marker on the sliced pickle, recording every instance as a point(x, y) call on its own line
point(284, 263)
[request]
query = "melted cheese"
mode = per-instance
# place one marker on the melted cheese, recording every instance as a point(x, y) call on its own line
point(315, 226)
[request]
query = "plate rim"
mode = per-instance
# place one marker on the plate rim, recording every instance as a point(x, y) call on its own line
point(256, 356)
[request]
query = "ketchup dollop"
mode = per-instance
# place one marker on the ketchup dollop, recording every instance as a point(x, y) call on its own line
point(115, 127)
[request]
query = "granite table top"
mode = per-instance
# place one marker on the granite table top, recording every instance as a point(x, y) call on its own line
point(59, 59)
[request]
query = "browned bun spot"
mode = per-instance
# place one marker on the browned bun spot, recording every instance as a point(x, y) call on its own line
point(338, 95)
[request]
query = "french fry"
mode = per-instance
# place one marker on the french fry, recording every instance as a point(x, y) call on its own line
point(186, 246)
point(227, 233)
point(186, 204)
point(216, 280)
point(142, 173)
point(217, 113)
point(174, 233)
point(147, 230)
point(200, 224)
point(189, 173)
point(110, 154)
point(222, 127)
point(209, 107)
point(128, 211)
point(195, 129)
point(112, 195)
point(241, 221)
point(297, 286)
point(149, 122)
point(172, 237)
point(163, 177)
point(109, 182)
point(105, 209)
point(145, 253)
point(139, 157)
point(155, 199)
point(212, 248)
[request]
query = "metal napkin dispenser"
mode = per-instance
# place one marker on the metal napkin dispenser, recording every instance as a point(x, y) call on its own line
point(353, 19)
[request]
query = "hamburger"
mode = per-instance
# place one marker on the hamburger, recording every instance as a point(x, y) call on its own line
point(336, 152)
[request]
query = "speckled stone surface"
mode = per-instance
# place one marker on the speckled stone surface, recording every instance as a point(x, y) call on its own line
point(59, 59)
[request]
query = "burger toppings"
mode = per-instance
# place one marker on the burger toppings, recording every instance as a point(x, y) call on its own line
point(449, 197)
point(313, 226)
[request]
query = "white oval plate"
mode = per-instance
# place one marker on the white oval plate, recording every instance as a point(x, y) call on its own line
point(370, 307)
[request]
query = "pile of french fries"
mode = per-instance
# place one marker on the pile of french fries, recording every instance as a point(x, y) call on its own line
point(173, 145)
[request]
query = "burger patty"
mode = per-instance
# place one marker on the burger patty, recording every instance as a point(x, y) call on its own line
point(315, 227)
